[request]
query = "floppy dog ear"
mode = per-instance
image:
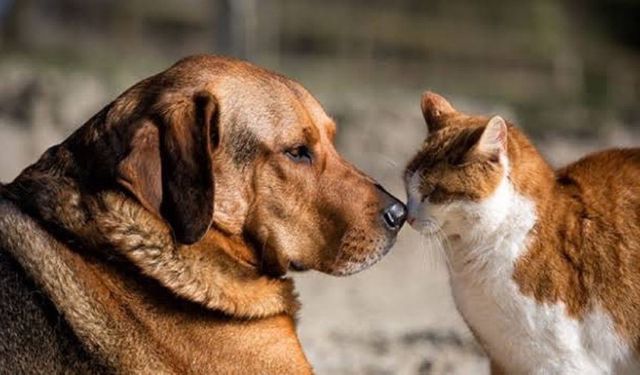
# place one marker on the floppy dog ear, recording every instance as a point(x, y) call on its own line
point(169, 166)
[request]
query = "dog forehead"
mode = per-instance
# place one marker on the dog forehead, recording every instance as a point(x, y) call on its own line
point(273, 108)
point(317, 125)
point(254, 100)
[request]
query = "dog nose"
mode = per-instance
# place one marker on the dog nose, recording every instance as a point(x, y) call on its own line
point(395, 215)
point(394, 212)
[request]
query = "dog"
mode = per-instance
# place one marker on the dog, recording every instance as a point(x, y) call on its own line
point(157, 237)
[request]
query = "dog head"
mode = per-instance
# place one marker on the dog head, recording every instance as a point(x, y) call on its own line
point(264, 145)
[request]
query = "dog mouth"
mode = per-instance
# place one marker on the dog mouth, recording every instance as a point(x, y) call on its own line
point(353, 258)
point(353, 266)
point(297, 267)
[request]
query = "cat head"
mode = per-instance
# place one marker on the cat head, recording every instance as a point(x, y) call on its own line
point(459, 178)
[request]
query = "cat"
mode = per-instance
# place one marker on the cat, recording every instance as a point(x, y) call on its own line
point(544, 265)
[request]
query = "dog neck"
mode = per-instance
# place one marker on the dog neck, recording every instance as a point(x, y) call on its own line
point(132, 322)
point(204, 272)
point(109, 221)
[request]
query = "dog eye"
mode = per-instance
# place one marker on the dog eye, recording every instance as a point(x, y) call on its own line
point(300, 154)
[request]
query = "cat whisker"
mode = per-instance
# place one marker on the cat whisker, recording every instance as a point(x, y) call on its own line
point(445, 248)
point(429, 246)
point(437, 245)
point(436, 252)
point(428, 249)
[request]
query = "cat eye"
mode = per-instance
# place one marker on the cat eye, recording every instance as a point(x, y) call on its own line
point(300, 154)
point(458, 161)
point(437, 194)
point(427, 194)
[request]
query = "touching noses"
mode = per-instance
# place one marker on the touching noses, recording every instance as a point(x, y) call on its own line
point(394, 212)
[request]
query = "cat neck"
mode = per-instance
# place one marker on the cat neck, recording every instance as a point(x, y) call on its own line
point(494, 234)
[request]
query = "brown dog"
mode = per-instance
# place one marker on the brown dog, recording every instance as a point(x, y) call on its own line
point(118, 258)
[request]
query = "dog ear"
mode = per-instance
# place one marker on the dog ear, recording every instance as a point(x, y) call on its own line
point(169, 167)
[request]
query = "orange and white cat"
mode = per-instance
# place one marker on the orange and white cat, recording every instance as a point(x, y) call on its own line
point(544, 265)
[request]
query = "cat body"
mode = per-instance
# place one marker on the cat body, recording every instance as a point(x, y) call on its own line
point(544, 265)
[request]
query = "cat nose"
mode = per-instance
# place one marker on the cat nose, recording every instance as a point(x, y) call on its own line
point(394, 212)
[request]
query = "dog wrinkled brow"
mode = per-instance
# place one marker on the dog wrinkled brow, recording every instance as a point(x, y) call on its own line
point(244, 145)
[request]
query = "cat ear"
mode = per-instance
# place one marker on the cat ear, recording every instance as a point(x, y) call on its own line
point(434, 107)
point(493, 140)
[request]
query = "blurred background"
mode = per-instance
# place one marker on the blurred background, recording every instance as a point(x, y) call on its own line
point(568, 72)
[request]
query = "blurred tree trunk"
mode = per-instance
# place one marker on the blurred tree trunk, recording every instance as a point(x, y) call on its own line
point(13, 17)
point(237, 27)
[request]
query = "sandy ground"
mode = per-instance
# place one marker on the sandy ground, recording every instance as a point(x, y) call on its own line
point(394, 318)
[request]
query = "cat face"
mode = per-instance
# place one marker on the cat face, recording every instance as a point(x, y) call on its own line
point(459, 177)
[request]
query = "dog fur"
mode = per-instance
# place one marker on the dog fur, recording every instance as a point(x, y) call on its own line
point(127, 263)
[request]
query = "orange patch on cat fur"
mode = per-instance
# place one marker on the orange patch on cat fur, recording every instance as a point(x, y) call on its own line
point(587, 239)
